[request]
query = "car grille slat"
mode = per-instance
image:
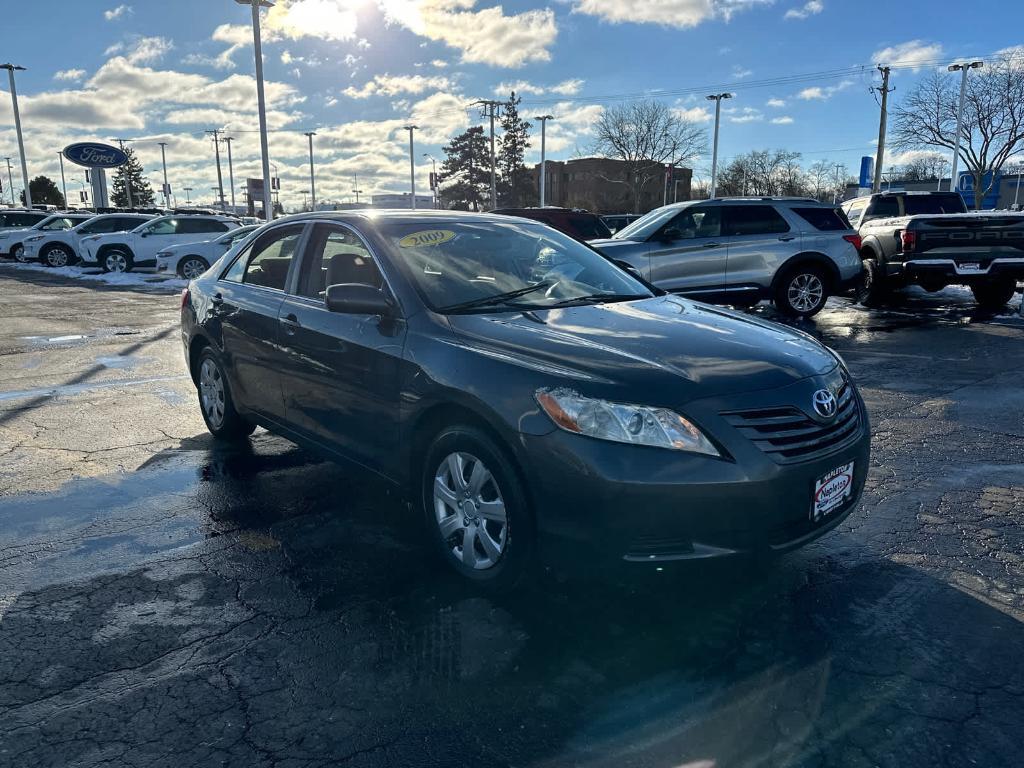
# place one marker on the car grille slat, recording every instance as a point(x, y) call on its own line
point(789, 435)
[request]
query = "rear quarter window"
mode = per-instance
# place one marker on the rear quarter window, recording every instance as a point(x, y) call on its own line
point(824, 219)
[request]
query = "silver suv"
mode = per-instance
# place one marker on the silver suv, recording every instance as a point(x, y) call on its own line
point(795, 251)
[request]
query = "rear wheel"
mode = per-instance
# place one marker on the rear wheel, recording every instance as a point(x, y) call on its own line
point(192, 267)
point(802, 291)
point(476, 510)
point(116, 260)
point(994, 295)
point(219, 413)
point(58, 255)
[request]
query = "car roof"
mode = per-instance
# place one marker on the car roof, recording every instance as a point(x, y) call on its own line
point(399, 216)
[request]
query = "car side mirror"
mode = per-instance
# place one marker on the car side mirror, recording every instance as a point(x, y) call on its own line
point(671, 234)
point(143, 234)
point(358, 299)
point(629, 268)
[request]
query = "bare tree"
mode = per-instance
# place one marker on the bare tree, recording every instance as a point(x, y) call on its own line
point(927, 167)
point(821, 179)
point(646, 135)
point(993, 119)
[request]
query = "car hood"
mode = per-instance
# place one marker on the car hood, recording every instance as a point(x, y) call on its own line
point(610, 244)
point(19, 232)
point(665, 350)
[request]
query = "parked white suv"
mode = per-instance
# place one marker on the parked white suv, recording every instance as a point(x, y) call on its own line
point(12, 241)
point(61, 249)
point(190, 260)
point(123, 251)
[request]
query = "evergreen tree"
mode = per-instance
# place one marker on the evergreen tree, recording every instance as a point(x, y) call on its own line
point(465, 175)
point(44, 192)
point(515, 188)
point(132, 171)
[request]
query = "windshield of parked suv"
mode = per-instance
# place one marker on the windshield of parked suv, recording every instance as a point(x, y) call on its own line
point(647, 225)
point(460, 266)
point(951, 202)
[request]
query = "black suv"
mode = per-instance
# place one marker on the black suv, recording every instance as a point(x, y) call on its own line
point(575, 222)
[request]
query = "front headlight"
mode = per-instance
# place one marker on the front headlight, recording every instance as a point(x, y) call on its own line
point(34, 239)
point(163, 255)
point(621, 423)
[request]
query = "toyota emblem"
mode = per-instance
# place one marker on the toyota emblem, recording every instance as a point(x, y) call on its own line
point(825, 404)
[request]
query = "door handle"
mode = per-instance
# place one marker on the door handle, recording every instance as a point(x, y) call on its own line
point(290, 323)
point(787, 238)
point(711, 245)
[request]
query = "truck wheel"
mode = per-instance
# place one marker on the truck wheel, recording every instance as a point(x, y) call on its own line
point(802, 291)
point(872, 291)
point(994, 295)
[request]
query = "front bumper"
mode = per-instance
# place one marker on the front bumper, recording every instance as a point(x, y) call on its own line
point(605, 502)
point(960, 269)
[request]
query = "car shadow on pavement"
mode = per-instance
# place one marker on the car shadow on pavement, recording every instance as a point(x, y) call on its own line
point(310, 624)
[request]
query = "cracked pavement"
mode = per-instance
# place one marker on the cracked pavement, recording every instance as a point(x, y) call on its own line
point(165, 601)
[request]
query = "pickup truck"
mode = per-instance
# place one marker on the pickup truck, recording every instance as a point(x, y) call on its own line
point(983, 250)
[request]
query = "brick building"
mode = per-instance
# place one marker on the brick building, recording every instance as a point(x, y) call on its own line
point(599, 184)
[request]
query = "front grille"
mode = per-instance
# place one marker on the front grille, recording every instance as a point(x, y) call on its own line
point(789, 435)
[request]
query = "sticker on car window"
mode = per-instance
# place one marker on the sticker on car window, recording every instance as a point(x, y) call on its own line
point(426, 237)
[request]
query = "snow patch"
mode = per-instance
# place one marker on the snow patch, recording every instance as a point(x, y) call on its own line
point(146, 280)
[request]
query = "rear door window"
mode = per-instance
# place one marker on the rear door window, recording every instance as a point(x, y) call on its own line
point(744, 220)
point(270, 258)
point(189, 226)
point(824, 219)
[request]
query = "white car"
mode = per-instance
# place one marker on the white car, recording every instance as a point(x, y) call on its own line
point(60, 249)
point(190, 260)
point(123, 251)
point(12, 240)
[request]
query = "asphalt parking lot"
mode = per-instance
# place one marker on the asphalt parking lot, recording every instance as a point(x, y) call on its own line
point(166, 601)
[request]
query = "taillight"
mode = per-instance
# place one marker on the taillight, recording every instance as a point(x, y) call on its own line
point(185, 296)
point(908, 240)
point(854, 240)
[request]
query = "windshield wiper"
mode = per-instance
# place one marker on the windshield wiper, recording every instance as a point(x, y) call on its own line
point(591, 298)
point(498, 298)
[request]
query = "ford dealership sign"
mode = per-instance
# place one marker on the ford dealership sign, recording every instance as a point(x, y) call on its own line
point(93, 155)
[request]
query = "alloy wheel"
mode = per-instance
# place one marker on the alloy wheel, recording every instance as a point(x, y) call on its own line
point(193, 268)
point(116, 262)
point(18, 252)
point(57, 257)
point(805, 292)
point(470, 511)
point(211, 392)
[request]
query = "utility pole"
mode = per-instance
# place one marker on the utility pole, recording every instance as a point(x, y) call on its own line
point(11, 69)
point(963, 69)
point(885, 90)
point(835, 197)
point(220, 177)
point(543, 158)
point(717, 98)
point(127, 177)
point(492, 109)
point(10, 179)
point(167, 187)
point(268, 207)
point(231, 171)
point(433, 176)
point(412, 165)
point(63, 181)
point(312, 173)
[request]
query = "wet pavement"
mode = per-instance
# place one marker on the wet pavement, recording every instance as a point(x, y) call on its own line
point(167, 601)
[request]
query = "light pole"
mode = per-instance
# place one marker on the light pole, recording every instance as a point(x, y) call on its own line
point(963, 69)
point(268, 209)
point(84, 195)
point(433, 176)
point(10, 179)
point(63, 181)
point(717, 98)
point(187, 200)
point(412, 166)
point(835, 197)
point(312, 171)
point(11, 69)
point(167, 187)
point(543, 157)
point(231, 172)
point(355, 183)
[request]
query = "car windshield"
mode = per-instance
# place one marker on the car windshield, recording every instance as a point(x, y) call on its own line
point(647, 225)
point(463, 266)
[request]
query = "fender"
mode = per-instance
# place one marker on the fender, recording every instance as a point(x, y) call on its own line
point(813, 257)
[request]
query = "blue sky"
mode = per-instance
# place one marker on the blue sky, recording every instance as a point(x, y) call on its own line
point(357, 70)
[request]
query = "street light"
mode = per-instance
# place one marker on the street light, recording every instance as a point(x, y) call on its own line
point(10, 179)
point(63, 181)
point(963, 69)
point(717, 98)
point(231, 172)
point(187, 200)
point(412, 165)
point(11, 69)
point(312, 173)
point(268, 210)
point(433, 176)
point(543, 157)
point(167, 187)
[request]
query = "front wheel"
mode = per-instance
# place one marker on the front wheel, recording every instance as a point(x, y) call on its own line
point(58, 256)
point(18, 254)
point(219, 413)
point(476, 510)
point(802, 291)
point(116, 260)
point(994, 295)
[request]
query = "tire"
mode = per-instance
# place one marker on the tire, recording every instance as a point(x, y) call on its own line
point(215, 403)
point(994, 295)
point(57, 255)
point(802, 291)
point(190, 263)
point(116, 260)
point(873, 290)
point(18, 254)
point(498, 524)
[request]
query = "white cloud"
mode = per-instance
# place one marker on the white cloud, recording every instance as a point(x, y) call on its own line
point(392, 85)
point(914, 53)
point(69, 74)
point(775, 103)
point(522, 87)
point(823, 93)
point(694, 114)
point(810, 8)
point(439, 63)
point(669, 13)
point(117, 13)
point(143, 50)
point(784, 120)
point(739, 72)
point(745, 115)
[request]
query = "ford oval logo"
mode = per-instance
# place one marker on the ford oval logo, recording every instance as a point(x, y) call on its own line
point(92, 155)
point(825, 403)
